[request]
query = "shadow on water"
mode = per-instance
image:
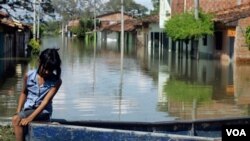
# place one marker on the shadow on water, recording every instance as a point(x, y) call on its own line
point(152, 84)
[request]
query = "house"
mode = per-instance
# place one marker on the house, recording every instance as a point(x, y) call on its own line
point(14, 37)
point(144, 32)
point(234, 21)
point(222, 44)
point(110, 27)
point(164, 13)
point(111, 18)
point(154, 36)
point(73, 23)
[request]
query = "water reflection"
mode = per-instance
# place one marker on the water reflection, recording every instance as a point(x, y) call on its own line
point(204, 90)
point(144, 85)
point(10, 84)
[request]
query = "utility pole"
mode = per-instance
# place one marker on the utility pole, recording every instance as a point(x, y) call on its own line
point(122, 52)
point(185, 6)
point(34, 19)
point(94, 23)
point(196, 9)
point(238, 2)
point(38, 21)
point(122, 28)
point(195, 42)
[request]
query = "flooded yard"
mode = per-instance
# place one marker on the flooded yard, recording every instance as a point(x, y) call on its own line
point(151, 85)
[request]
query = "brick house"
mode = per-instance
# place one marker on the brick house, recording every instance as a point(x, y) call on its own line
point(179, 6)
point(112, 18)
point(110, 26)
point(227, 39)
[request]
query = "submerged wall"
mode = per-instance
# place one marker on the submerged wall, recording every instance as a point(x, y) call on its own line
point(241, 51)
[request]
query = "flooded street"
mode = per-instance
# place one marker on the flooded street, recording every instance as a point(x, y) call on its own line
point(152, 84)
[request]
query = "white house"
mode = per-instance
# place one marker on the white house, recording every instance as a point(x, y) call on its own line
point(164, 13)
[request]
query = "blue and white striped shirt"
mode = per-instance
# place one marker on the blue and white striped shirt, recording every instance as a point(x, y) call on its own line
point(36, 93)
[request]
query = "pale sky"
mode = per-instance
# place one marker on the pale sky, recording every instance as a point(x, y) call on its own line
point(146, 3)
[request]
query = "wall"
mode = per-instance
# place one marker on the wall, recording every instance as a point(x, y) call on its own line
point(206, 5)
point(241, 50)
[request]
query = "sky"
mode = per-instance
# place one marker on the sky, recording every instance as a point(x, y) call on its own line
point(146, 3)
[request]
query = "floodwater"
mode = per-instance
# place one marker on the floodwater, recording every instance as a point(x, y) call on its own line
point(145, 85)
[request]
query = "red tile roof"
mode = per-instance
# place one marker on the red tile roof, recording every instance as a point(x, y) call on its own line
point(129, 25)
point(111, 13)
point(5, 19)
point(151, 19)
point(232, 14)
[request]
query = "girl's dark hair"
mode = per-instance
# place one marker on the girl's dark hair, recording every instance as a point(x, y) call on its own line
point(49, 59)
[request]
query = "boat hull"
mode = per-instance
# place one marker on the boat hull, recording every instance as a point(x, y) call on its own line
point(56, 132)
point(63, 130)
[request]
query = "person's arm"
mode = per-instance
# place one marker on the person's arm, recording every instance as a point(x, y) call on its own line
point(43, 104)
point(23, 95)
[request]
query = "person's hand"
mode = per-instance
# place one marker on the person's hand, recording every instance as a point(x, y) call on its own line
point(25, 121)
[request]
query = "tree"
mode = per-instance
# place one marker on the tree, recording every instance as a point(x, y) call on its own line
point(130, 7)
point(185, 27)
point(156, 6)
point(51, 28)
point(23, 9)
point(85, 25)
point(68, 9)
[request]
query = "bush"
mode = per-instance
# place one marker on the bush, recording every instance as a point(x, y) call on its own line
point(34, 46)
point(6, 133)
point(85, 25)
point(184, 26)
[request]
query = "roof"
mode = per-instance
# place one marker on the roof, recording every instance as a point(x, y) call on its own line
point(232, 14)
point(111, 13)
point(73, 23)
point(3, 14)
point(129, 25)
point(5, 19)
point(151, 18)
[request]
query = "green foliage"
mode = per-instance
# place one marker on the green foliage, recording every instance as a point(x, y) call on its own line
point(33, 61)
point(182, 91)
point(51, 28)
point(69, 9)
point(6, 133)
point(185, 26)
point(130, 7)
point(34, 46)
point(247, 36)
point(156, 5)
point(85, 25)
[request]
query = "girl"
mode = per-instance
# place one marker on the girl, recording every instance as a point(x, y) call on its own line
point(39, 88)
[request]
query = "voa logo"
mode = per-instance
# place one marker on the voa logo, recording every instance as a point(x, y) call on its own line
point(236, 132)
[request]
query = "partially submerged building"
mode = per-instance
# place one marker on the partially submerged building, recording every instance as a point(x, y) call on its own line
point(230, 18)
point(14, 37)
point(110, 28)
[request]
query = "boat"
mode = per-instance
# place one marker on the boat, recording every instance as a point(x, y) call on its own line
point(63, 130)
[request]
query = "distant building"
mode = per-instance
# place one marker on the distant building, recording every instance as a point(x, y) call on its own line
point(112, 18)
